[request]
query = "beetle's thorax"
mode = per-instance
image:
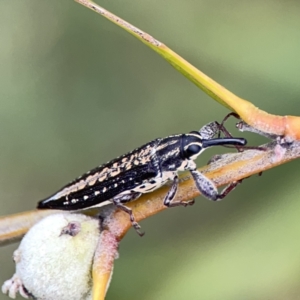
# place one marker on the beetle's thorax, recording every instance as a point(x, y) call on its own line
point(171, 152)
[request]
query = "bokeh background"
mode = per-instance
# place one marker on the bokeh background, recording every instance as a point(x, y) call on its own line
point(76, 91)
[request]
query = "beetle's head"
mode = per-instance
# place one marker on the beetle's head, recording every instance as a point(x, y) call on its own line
point(192, 144)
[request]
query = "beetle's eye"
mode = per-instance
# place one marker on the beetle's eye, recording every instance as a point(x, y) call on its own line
point(192, 150)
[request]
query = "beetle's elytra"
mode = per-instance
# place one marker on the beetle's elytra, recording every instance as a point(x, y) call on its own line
point(140, 171)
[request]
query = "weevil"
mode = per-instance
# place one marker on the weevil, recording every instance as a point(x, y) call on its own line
point(144, 170)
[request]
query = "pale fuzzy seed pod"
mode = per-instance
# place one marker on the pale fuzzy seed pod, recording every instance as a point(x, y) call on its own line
point(54, 260)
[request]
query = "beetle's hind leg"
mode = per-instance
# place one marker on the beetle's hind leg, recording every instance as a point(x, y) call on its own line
point(208, 188)
point(168, 201)
point(120, 199)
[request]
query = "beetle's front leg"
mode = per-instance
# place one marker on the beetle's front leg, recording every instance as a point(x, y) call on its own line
point(168, 201)
point(120, 199)
point(210, 130)
point(208, 188)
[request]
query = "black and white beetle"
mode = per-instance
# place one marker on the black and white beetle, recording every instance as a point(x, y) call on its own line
point(143, 170)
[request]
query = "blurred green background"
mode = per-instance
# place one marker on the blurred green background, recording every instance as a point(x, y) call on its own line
point(76, 91)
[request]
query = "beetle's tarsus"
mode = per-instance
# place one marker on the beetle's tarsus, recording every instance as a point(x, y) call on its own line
point(188, 203)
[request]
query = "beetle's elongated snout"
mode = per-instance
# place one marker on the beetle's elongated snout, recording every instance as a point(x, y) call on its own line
point(224, 141)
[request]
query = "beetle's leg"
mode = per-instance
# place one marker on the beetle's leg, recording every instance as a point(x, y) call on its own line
point(215, 128)
point(168, 201)
point(205, 185)
point(229, 188)
point(243, 126)
point(120, 199)
point(208, 188)
point(232, 114)
point(209, 130)
point(172, 192)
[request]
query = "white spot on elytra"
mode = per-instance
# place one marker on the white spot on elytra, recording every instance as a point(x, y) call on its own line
point(97, 193)
point(92, 182)
point(85, 197)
